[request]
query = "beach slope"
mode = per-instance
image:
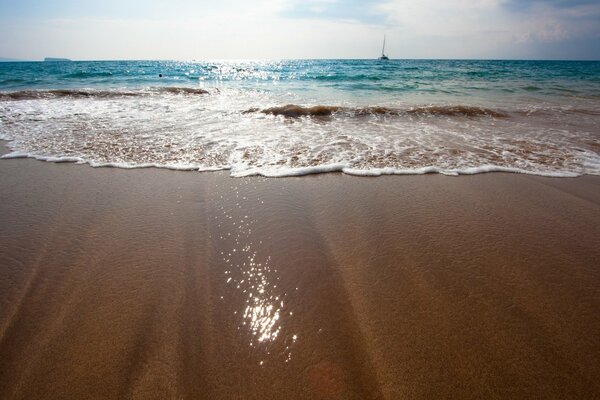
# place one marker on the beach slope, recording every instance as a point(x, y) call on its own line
point(149, 284)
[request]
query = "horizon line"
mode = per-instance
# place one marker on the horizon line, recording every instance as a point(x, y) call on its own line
point(8, 59)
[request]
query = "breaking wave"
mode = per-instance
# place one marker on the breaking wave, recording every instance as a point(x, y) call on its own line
point(283, 133)
point(451, 111)
point(99, 94)
point(296, 111)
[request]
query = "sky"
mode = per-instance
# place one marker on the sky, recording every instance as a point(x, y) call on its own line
point(276, 29)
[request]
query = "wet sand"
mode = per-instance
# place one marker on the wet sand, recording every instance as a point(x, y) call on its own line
point(156, 284)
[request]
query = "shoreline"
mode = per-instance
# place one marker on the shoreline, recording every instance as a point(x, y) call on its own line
point(149, 283)
point(10, 154)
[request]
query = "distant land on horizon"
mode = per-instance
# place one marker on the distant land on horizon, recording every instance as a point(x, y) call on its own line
point(46, 59)
point(54, 59)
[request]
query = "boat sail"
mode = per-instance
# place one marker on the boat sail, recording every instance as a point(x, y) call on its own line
point(383, 56)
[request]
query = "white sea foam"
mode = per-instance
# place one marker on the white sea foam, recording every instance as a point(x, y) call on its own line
point(212, 131)
point(53, 159)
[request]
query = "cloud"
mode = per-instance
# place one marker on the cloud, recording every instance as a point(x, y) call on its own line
point(361, 11)
point(202, 29)
point(454, 18)
point(560, 4)
point(555, 21)
point(495, 28)
point(546, 30)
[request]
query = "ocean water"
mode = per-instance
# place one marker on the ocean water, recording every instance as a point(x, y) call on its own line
point(295, 117)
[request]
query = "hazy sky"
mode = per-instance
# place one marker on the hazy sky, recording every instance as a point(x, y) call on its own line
point(198, 29)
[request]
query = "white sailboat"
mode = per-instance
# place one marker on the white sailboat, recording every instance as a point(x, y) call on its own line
point(383, 56)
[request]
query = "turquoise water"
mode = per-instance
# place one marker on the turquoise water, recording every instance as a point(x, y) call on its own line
point(400, 77)
point(293, 117)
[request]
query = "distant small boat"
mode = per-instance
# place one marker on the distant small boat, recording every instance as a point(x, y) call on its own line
point(383, 56)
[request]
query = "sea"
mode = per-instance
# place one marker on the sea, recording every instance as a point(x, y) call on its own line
point(296, 117)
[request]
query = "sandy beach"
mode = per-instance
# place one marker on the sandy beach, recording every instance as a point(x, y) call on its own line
point(159, 284)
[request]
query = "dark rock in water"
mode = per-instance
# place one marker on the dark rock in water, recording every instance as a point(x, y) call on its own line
point(52, 59)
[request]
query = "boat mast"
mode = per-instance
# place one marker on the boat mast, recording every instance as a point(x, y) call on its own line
point(383, 49)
